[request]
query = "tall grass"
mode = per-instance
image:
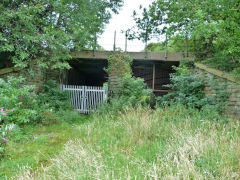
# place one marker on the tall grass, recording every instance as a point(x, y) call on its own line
point(170, 143)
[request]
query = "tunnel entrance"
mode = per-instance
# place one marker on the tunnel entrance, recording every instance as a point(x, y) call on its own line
point(87, 72)
point(155, 74)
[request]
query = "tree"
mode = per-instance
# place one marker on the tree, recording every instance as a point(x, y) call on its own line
point(211, 27)
point(143, 29)
point(50, 29)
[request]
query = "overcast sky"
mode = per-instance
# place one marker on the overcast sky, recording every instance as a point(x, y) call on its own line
point(122, 21)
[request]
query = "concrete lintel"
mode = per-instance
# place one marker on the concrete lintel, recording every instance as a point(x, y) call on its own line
point(144, 56)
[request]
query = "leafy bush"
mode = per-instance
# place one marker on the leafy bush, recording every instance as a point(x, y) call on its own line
point(20, 106)
point(236, 72)
point(223, 62)
point(188, 89)
point(131, 92)
point(20, 99)
point(29, 107)
point(52, 97)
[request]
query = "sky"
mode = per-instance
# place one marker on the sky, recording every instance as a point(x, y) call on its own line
point(123, 21)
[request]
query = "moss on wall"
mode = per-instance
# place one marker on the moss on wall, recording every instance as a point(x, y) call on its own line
point(34, 75)
point(221, 78)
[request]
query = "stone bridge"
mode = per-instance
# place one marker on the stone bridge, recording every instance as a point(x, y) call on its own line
point(154, 68)
point(144, 56)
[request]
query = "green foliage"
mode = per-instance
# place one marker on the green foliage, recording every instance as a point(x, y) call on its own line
point(29, 107)
point(156, 47)
point(138, 143)
point(131, 92)
point(207, 29)
point(20, 99)
point(34, 145)
point(236, 73)
point(223, 62)
point(50, 30)
point(52, 97)
point(119, 64)
point(144, 26)
point(221, 95)
point(188, 89)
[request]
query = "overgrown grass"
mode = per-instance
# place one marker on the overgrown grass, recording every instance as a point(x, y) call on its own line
point(35, 145)
point(170, 143)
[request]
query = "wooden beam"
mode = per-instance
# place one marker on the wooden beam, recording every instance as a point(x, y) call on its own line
point(162, 90)
point(153, 80)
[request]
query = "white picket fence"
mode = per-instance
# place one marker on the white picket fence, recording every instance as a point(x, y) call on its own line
point(85, 98)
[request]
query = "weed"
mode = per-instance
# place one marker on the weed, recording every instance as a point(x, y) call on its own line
point(139, 143)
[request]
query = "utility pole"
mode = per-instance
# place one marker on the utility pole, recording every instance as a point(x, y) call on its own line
point(126, 36)
point(146, 43)
point(166, 50)
point(95, 43)
point(114, 43)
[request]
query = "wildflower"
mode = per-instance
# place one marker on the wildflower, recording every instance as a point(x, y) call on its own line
point(2, 111)
point(5, 140)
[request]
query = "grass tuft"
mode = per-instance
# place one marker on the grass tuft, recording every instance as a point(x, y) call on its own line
point(170, 143)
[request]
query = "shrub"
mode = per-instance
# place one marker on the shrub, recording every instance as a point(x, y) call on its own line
point(52, 97)
point(20, 99)
point(223, 62)
point(188, 89)
point(131, 92)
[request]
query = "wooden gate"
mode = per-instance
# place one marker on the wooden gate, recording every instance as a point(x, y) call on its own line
point(85, 98)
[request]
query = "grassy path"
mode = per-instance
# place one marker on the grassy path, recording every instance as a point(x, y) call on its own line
point(34, 146)
point(172, 143)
